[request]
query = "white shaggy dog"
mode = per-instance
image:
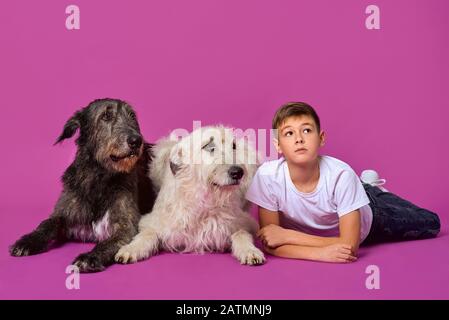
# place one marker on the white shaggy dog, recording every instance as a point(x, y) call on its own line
point(202, 180)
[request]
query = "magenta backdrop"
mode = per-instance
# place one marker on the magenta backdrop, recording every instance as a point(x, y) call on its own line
point(382, 96)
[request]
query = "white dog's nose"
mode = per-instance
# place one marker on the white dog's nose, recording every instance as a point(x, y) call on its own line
point(235, 172)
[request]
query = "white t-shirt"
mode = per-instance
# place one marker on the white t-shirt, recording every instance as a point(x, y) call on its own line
point(339, 191)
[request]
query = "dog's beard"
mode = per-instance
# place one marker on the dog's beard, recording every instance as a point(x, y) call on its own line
point(229, 184)
point(121, 161)
point(124, 164)
point(219, 178)
point(129, 155)
point(226, 183)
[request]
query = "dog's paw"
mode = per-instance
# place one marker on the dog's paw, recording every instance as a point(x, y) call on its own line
point(251, 256)
point(124, 255)
point(27, 246)
point(89, 262)
point(131, 254)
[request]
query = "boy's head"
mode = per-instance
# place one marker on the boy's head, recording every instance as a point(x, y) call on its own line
point(299, 134)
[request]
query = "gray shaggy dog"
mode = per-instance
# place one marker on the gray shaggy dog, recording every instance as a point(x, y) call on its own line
point(105, 189)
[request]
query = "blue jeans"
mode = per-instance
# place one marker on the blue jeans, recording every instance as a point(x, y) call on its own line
point(396, 219)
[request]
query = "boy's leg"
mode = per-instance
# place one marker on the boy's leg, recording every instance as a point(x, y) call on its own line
point(396, 219)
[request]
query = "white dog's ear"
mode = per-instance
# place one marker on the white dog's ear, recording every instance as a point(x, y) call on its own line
point(251, 160)
point(174, 167)
point(176, 159)
point(161, 155)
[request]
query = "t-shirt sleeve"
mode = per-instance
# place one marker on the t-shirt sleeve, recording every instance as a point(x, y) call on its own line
point(349, 193)
point(261, 193)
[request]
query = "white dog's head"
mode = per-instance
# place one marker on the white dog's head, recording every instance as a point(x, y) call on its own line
point(214, 157)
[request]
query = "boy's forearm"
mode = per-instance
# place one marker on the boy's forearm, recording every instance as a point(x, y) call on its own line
point(295, 252)
point(304, 239)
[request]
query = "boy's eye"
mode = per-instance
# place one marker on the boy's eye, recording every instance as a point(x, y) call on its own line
point(307, 130)
point(288, 133)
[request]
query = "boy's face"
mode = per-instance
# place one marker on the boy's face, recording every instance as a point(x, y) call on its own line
point(299, 140)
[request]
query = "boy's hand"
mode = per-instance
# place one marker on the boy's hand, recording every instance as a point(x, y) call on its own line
point(337, 252)
point(272, 236)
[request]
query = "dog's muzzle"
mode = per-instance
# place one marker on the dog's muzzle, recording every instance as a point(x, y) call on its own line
point(134, 143)
point(235, 173)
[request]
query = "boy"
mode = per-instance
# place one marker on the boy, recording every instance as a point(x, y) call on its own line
point(315, 207)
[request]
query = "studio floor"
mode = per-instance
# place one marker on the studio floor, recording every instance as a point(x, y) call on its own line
point(407, 270)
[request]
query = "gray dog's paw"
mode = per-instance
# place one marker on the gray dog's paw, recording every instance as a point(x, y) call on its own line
point(89, 262)
point(27, 245)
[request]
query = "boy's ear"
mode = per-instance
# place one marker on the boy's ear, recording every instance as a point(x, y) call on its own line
point(70, 126)
point(276, 145)
point(322, 138)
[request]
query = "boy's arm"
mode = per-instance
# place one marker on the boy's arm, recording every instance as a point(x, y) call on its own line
point(267, 217)
point(272, 235)
point(309, 249)
point(294, 252)
point(340, 253)
point(350, 226)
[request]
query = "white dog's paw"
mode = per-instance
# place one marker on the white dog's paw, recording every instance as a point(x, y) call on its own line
point(251, 256)
point(130, 254)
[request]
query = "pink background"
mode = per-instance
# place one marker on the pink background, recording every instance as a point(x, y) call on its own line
point(381, 94)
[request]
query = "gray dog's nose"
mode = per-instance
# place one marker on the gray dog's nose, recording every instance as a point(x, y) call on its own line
point(134, 141)
point(235, 172)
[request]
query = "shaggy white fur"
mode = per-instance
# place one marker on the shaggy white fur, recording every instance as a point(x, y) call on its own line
point(202, 180)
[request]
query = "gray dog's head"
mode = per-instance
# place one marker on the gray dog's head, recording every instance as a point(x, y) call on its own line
point(109, 133)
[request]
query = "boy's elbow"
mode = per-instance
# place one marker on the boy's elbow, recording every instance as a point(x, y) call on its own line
point(353, 244)
point(271, 251)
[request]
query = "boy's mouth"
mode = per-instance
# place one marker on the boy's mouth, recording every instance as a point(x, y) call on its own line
point(300, 150)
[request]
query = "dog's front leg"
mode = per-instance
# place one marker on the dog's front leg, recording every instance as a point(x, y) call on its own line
point(40, 239)
point(102, 255)
point(123, 225)
point(244, 249)
point(144, 245)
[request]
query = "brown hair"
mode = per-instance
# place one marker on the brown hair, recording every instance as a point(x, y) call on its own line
point(295, 109)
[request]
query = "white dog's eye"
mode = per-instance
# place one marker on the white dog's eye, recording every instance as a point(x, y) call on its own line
point(210, 147)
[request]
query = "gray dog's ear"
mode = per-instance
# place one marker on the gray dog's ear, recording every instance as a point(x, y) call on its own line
point(71, 126)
